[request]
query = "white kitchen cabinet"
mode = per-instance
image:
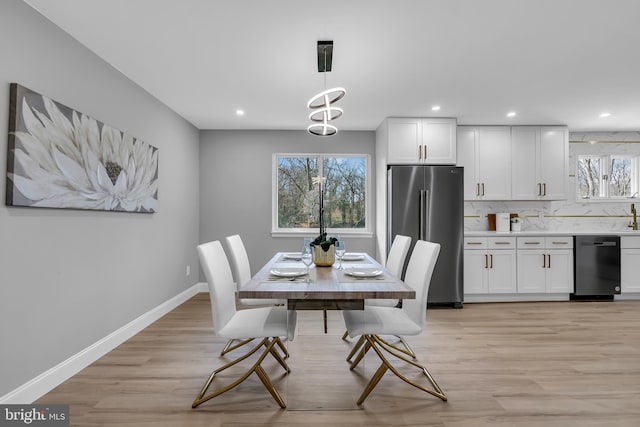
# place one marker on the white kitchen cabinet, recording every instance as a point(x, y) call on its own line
point(630, 264)
point(485, 154)
point(539, 155)
point(489, 265)
point(545, 264)
point(421, 140)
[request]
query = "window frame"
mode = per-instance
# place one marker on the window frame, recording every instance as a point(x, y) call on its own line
point(605, 161)
point(367, 231)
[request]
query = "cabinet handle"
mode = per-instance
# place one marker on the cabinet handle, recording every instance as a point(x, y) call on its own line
point(560, 243)
point(477, 189)
point(491, 263)
point(483, 188)
point(425, 152)
point(544, 261)
point(544, 189)
point(548, 261)
point(474, 243)
point(539, 189)
point(420, 152)
point(502, 243)
point(531, 243)
point(486, 261)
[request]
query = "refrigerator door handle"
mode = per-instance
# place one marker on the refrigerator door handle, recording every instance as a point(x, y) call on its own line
point(423, 232)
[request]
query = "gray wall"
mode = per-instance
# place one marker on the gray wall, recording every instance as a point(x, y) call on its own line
point(235, 184)
point(69, 278)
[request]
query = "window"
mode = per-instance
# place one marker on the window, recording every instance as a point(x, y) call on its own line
point(607, 176)
point(296, 199)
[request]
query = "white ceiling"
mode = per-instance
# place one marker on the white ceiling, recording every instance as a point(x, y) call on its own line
point(552, 61)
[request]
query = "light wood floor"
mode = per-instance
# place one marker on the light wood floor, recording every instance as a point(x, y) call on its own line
point(522, 364)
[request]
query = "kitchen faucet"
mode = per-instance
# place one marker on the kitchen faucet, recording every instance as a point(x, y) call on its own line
point(634, 224)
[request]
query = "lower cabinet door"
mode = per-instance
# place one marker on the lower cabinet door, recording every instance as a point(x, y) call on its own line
point(475, 272)
point(560, 271)
point(630, 270)
point(502, 272)
point(532, 268)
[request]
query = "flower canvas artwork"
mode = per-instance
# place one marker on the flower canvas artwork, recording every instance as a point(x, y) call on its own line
point(61, 158)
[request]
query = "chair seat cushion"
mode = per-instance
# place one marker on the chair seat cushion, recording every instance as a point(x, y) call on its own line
point(259, 323)
point(379, 321)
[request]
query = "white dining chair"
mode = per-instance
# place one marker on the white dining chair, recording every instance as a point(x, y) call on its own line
point(409, 320)
point(241, 269)
point(268, 323)
point(395, 264)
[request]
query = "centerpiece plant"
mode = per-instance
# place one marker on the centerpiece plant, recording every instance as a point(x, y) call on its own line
point(326, 257)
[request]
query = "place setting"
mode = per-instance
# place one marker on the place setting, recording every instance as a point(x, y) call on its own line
point(287, 274)
point(355, 274)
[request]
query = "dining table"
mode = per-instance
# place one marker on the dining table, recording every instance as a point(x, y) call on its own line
point(325, 288)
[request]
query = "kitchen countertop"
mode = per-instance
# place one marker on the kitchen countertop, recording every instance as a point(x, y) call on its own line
point(525, 233)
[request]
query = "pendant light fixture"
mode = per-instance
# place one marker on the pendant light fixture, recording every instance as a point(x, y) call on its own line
point(321, 105)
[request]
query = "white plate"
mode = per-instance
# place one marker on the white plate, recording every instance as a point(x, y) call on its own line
point(353, 257)
point(287, 273)
point(296, 257)
point(363, 272)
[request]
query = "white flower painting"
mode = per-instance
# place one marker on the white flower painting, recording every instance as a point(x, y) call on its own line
point(60, 158)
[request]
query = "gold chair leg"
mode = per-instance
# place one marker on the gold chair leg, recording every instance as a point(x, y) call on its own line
point(407, 348)
point(355, 348)
point(372, 383)
point(345, 335)
point(283, 348)
point(364, 349)
point(279, 358)
point(268, 343)
point(378, 346)
point(230, 347)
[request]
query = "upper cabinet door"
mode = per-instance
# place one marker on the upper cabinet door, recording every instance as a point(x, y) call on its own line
point(421, 141)
point(494, 162)
point(485, 153)
point(467, 158)
point(539, 155)
point(404, 139)
point(554, 157)
point(439, 141)
point(525, 143)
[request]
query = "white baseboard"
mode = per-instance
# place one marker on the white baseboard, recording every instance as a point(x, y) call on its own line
point(515, 297)
point(48, 380)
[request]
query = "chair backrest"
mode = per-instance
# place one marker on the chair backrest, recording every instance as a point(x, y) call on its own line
point(398, 254)
point(418, 277)
point(220, 281)
point(239, 260)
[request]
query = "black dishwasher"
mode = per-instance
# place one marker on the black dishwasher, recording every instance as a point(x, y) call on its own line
point(596, 270)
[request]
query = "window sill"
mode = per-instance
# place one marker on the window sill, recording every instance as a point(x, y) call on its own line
point(306, 233)
point(603, 200)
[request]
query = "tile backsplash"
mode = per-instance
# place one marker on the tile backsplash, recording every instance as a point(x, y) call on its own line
point(570, 214)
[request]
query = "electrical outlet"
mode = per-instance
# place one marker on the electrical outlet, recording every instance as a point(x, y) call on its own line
point(188, 270)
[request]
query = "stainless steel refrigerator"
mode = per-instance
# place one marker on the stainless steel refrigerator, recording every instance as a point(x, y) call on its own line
point(426, 203)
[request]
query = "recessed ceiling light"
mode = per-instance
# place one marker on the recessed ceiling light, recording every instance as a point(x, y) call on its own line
point(435, 108)
point(511, 114)
point(239, 112)
point(605, 114)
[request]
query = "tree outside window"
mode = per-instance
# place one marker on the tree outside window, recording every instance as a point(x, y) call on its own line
point(344, 192)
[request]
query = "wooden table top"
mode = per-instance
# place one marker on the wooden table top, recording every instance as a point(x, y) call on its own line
point(326, 283)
